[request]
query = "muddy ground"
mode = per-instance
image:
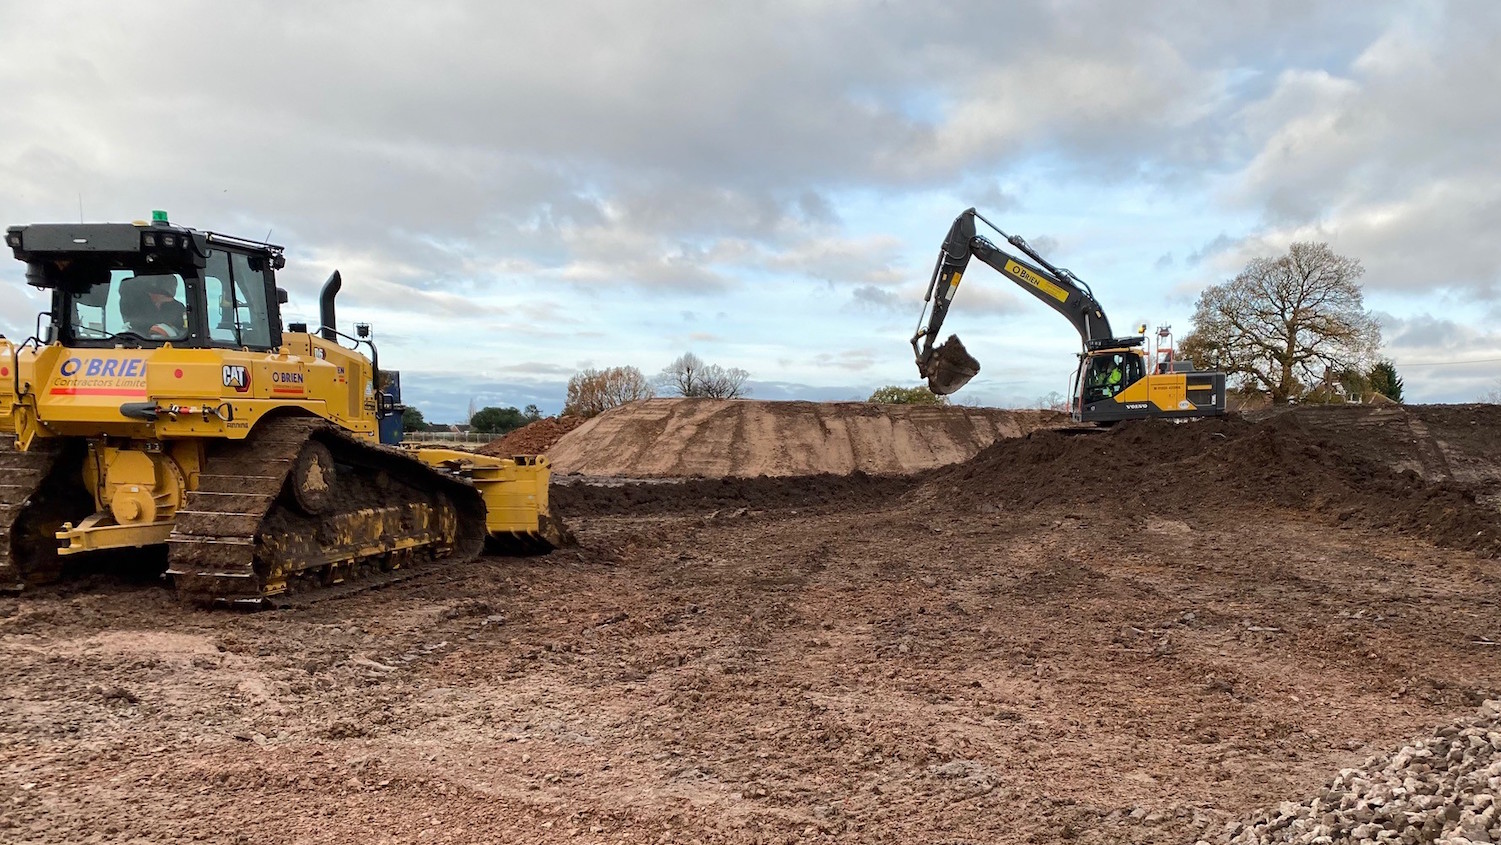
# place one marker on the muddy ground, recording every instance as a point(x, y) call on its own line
point(886, 661)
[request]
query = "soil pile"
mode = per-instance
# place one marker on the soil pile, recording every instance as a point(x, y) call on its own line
point(1222, 466)
point(727, 494)
point(1439, 789)
point(1438, 442)
point(715, 438)
point(532, 439)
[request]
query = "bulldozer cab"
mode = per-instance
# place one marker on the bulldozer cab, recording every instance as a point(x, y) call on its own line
point(136, 285)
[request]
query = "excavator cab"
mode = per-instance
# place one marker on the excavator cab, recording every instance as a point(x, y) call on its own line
point(1109, 372)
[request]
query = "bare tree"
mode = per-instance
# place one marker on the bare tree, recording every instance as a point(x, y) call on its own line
point(718, 382)
point(592, 392)
point(1283, 322)
point(683, 374)
point(1053, 401)
point(689, 376)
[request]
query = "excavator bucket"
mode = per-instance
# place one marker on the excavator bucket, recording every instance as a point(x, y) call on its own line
point(950, 367)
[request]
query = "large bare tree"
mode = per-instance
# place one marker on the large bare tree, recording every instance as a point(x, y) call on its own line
point(688, 375)
point(1283, 323)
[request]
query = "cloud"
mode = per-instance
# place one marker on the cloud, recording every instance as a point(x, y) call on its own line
point(854, 360)
point(1389, 159)
point(1219, 244)
point(877, 299)
point(545, 182)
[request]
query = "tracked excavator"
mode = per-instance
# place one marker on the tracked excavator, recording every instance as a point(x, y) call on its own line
point(163, 403)
point(1114, 381)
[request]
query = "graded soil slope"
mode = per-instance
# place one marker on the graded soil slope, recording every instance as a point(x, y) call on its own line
point(713, 438)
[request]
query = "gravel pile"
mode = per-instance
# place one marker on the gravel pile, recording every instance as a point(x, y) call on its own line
point(1440, 790)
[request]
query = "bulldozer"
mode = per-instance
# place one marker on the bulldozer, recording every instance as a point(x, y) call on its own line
point(162, 405)
point(1115, 379)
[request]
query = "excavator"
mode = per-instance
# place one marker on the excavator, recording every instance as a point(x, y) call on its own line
point(1114, 380)
point(162, 403)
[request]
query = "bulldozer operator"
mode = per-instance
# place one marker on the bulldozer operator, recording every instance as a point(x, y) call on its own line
point(150, 308)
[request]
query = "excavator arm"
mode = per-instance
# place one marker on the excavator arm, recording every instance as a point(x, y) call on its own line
point(949, 366)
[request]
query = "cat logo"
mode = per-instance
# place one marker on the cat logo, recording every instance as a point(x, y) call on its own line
point(237, 377)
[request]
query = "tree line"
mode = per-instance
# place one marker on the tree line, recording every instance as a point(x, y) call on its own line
point(594, 391)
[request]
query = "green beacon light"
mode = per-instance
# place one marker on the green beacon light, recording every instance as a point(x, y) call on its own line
point(158, 216)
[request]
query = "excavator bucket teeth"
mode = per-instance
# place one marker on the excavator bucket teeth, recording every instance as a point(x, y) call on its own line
point(950, 367)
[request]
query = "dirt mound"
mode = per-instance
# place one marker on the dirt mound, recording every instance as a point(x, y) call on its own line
point(532, 439)
point(716, 494)
point(1438, 442)
point(713, 438)
point(1222, 466)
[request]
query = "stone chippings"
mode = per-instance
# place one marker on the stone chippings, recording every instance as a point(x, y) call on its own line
point(1441, 789)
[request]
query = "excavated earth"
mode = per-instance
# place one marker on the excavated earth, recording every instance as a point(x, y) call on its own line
point(745, 438)
point(535, 438)
point(1157, 634)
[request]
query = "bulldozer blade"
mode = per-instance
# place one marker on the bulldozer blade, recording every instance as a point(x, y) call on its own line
point(950, 367)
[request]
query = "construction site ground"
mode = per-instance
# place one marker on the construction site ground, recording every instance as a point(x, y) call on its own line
point(1057, 641)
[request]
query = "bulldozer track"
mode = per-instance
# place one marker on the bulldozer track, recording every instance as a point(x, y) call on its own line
point(240, 538)
point(27, 500)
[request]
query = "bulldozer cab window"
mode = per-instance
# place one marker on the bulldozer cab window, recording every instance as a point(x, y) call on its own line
point(150, 306)
point(235, 292)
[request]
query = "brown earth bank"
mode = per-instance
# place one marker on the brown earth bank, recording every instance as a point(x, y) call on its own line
point(714, 438)
point(535, 438)
point(1042, 645)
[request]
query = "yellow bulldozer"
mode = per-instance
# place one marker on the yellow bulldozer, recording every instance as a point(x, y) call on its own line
point(162, 402)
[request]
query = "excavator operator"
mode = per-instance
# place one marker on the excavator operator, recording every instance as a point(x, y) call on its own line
point(1107, 377)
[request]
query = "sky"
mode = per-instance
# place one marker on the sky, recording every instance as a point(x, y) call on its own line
point(514, 191)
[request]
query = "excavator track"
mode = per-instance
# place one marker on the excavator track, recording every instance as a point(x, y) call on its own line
point(301, 510)
point(37, 494)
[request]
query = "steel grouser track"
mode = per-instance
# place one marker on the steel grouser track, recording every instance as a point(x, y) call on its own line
point(34, 502)
point(301, 509)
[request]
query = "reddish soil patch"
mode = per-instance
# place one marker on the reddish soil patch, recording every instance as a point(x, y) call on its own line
point(534, 438)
